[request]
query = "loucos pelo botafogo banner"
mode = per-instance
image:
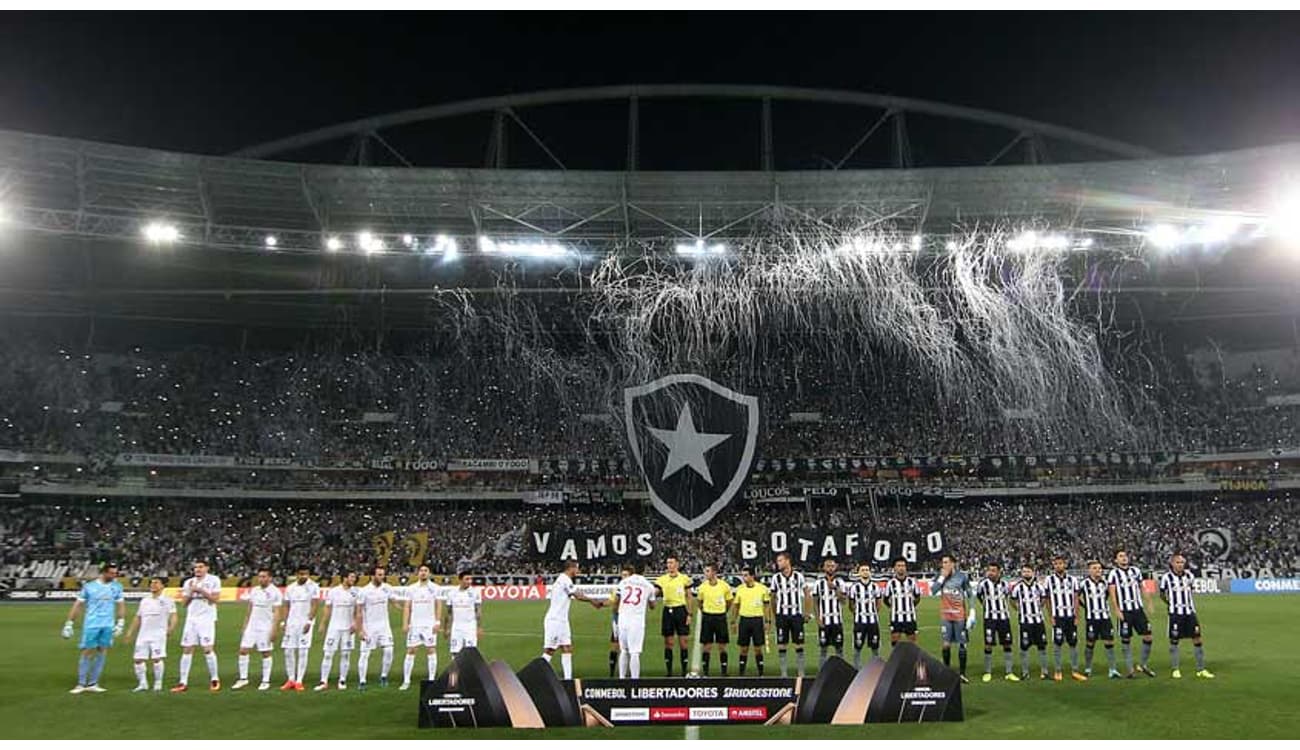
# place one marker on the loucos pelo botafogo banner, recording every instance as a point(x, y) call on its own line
point(804, 545)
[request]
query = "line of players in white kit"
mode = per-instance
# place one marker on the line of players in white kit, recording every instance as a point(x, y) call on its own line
point(353, 615)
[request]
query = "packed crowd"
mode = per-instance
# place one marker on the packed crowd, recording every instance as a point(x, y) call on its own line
point(165, 536)
point(327, 405)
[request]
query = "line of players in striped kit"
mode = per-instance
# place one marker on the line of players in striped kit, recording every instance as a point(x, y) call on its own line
point(1059, 600)
point(353, 614)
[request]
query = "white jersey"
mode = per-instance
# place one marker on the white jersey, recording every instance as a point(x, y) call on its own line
point(299, 597)
point(342, 603)
point(154, 612)
point(264, 603)
point(374, 607)
point(560, 594)
point(423, 599)
point(634, 593)
point(463, 603)
point(200, 611)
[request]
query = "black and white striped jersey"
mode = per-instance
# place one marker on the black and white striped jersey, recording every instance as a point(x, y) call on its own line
point(1178, 592)
point(901, 596)
point(994, 596)
point(787, 592)
point(1064, 593)
point(1029, 598)
point(827, 591)
point(1128, 587)
point(1095, 595)
point(864, 594)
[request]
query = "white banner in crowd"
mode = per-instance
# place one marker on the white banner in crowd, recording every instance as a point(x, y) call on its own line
point(492, 464)
point(166, 459)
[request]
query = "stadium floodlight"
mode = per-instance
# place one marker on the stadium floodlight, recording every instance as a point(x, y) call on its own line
point(916, 241)
point(1056, 242)
point(271, 241)
point(1024, 241)
point(1163, 236)
point(533, 249)
point(1284, 219)
point(699, 248)
point(160, 233)
point(369, 243)
point(694, 248)
point(950, 246)
point(408, 240)
point(1086, 242)
point(1220, 229)
point(446, 246)
point(333, 244)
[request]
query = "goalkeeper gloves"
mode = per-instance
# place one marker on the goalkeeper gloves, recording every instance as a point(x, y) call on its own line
point(67, 629)
point(119, 627)
point(970, 621)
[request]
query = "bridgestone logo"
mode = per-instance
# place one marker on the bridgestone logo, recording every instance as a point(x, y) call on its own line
point(763, 692)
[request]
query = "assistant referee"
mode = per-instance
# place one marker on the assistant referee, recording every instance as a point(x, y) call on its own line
point(675, 591)
point(714, 596)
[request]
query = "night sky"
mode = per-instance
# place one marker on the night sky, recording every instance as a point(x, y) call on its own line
point(1174, 82)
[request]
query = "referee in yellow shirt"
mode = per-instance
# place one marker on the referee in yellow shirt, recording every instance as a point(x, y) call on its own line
point(753, 604)
point(713, 596)
point(675, 591)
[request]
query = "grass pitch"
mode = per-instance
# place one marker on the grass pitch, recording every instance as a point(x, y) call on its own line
point(1250, 645)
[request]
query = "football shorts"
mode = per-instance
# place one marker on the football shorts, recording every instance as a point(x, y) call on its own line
point(153, 647)
point(997, 632)
point(425, 636)
point(198, 634)
point(258, 639)
point(344, 640)
point(866, 634)
point(294, 637)
point(556, 634)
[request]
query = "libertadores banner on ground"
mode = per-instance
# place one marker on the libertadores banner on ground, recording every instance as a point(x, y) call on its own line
point(911, 686)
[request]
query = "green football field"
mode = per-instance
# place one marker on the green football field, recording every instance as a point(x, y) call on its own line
point(1250, 645)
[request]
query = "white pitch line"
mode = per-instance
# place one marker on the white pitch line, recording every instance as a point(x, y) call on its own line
point(692, 732)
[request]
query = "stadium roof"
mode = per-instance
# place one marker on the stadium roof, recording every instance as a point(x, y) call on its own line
point(333, 243)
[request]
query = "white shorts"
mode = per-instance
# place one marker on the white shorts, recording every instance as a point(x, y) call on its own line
point(258, 639)
point(381, 639)
point(425, 636)
point(631, 636)
point(153, 647)
point(294, 637)
point(463, 638)
point(339, 639)
point(198, 634)
point(555, 634)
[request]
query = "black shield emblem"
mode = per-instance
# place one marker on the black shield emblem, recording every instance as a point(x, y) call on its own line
point(694, 441)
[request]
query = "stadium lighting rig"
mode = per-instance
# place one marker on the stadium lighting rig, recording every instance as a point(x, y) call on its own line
point(333, 244)
point(270, 241)
point(161, 233)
